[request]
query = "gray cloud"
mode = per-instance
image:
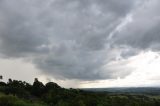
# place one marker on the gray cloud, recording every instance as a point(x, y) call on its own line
point(143, 32)
point(65, 38)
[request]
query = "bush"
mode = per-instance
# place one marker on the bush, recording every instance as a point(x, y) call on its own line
point(9, 100)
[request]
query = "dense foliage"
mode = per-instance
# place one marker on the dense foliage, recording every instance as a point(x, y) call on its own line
point(18, 93)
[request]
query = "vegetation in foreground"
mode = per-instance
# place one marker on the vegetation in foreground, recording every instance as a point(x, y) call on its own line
point(18, 93)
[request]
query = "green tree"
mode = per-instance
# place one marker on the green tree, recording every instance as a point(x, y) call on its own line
point(51, 86)
point(37, 88)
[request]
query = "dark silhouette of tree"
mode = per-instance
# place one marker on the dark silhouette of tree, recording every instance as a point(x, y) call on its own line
point(3, 84)
point(17, 88)
point(9, 81)
point(51, 86)
point(37, 88)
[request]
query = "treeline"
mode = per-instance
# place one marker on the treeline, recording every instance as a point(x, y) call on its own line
point(25, 90)
point(19, 93)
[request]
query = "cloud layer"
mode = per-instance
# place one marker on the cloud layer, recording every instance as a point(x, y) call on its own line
point(142, 31)
point(78, 39)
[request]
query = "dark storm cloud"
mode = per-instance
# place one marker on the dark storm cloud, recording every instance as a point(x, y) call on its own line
point(143, 32)
point(64, 38)
point(19, 33)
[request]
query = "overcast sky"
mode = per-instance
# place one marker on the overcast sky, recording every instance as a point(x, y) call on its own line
point(81, 43)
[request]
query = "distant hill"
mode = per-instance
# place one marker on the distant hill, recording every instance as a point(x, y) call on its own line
point(128, 90)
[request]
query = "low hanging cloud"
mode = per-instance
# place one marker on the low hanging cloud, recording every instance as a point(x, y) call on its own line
point(68, 39)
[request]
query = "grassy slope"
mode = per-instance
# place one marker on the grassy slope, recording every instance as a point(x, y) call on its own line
point(10, 100)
